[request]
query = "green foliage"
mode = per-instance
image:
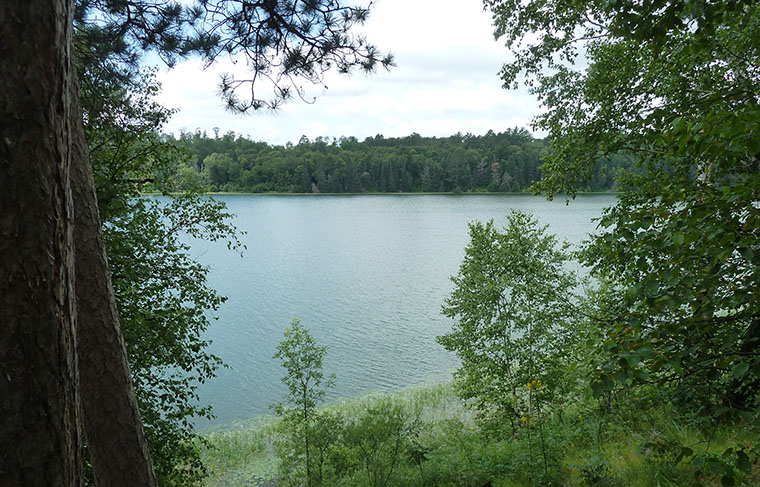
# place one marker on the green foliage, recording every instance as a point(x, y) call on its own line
point(309, 451)
point(123, 124)
point(225, 450)
point(329, 446)
point(682, 243)
point(675, 84)
point(378, 439)
point(308, 436)
point(593, 443)
point(162, 299)
point(596, 473)
point(513, 304)
point(495, 162)
point(160, 291)
point(302, 358)
point(219, 169)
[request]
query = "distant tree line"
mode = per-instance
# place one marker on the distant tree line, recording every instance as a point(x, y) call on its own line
point(508, 161)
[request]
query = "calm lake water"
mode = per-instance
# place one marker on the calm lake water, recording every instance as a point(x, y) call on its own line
point(367, 275)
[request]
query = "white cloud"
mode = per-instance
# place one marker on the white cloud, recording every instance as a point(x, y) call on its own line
point(446, 81)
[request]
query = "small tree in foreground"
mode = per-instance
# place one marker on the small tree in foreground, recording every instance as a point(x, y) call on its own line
point(513, 305)
point(303, 450)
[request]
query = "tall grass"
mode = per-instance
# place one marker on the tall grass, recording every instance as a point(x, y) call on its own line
point(244, 455)
point(633, 442)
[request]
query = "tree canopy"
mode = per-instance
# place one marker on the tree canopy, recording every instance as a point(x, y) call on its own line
point(508, 161)
point(513, 302)
point(674, 84)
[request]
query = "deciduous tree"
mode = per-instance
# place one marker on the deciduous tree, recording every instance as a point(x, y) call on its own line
point(306, 442)
point(512, 300)
point(676, 84)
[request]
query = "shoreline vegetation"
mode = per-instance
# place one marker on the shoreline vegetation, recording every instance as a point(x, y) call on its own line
point(243, 452)
point(418, 193)
point(504, 162)
point(626, 446)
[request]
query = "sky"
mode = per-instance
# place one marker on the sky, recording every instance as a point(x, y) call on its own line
point(446, 81)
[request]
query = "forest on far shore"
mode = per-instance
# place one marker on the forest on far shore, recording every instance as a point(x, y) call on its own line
point(508, 161)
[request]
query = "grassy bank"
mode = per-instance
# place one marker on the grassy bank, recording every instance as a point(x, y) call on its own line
point(628, 441)
point(245, 454)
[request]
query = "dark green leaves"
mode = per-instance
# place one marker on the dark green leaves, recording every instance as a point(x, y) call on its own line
point(164, 302)
point(739, 370)
point(674, 84)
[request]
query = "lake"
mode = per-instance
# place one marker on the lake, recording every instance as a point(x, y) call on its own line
point(366, 274)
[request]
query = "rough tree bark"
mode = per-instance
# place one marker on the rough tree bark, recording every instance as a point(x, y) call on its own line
point(50, 228)
point(110, 415)
point(39, 435)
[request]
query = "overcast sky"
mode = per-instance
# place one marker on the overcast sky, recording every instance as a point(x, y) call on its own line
point(446, 81)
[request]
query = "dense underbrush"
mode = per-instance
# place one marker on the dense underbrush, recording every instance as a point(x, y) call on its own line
point(631, 439)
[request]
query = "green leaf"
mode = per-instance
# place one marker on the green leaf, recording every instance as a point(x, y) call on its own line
point(596, 389)
point(652, 286)
point(740, 369)
point(718, 467)
point(747, 253)
point(720, 411)
point(684, 453)
point(742, 462)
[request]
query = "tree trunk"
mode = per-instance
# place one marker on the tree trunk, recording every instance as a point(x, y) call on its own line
point(40, 443)
point(115, 438)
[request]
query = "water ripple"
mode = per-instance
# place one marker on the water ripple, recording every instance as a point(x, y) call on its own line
point(367, 275)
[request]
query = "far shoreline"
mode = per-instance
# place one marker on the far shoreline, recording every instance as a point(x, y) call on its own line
point(420, 193)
